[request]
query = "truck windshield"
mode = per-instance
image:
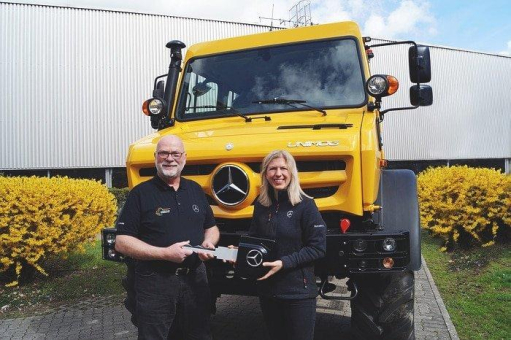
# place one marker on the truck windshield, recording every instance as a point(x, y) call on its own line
point(324, 74)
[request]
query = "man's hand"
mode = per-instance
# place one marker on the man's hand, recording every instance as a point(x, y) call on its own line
point(276, 266)
point(205, 256)
point(176, 253)
point(211, 237)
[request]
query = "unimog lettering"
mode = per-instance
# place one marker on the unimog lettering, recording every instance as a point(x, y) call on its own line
point(312, 143)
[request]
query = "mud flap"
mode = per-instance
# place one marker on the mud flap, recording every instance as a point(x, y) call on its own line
point(400, 209)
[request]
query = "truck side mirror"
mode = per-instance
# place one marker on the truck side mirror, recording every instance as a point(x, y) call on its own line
point(421, 96)
point(159, 89)
point(419, 64)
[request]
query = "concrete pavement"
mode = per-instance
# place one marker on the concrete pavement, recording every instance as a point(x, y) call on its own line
point(237, 318)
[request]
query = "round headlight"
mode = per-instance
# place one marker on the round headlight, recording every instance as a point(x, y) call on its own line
point(360, 245)
point(110, 239)
point(377, 85)
point(111, 253)
point(155, 106)
point(389, 244)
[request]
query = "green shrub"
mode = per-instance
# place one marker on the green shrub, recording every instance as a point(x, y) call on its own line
point(121, 194)
point(43, 217)
point(465, 206)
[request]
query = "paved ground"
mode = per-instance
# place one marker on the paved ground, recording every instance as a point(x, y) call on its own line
point(237, 318)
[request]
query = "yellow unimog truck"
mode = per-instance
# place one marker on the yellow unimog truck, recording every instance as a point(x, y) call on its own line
point(309, 91)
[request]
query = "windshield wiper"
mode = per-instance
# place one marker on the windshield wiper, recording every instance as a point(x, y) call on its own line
point(289, 102)
point(229, 109)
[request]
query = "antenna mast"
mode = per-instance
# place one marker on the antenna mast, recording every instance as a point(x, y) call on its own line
point(299, 15)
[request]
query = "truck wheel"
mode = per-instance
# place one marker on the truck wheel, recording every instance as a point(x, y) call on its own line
point(383, 308)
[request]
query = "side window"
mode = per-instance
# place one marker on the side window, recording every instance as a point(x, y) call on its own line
point(202, 96)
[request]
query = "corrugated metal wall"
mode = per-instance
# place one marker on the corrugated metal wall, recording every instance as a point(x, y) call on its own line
point(72, 82)
point(469, 117)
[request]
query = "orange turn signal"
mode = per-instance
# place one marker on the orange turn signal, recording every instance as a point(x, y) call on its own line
point(393, 85)
point(388, 262)
point(145, 107)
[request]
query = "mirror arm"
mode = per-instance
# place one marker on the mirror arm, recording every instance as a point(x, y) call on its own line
point(408, 42)
point(398, 109)
point(156, 80)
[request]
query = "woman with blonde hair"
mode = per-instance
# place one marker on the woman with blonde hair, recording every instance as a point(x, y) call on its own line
point(284, 213)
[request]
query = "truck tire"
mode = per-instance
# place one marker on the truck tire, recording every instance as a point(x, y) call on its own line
point(383, 308)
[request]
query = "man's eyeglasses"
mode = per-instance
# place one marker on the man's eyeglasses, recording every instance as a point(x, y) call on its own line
point(166, 154)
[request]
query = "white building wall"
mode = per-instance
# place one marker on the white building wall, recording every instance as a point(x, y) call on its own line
point(469, 118)
point(72, 82)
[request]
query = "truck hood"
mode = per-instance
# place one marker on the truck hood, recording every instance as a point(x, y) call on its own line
point(232, 137)
point(327, 148)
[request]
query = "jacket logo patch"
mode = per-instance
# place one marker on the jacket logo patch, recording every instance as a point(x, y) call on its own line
point(195, 208)
point(319, 226)
point(161, 211)
point(290, 213)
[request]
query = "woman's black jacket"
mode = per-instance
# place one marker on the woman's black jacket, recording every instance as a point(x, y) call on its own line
point(300, 235)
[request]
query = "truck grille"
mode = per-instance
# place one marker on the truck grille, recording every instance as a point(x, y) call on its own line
point(189, 170)
point(321, 192)
point(206, 169)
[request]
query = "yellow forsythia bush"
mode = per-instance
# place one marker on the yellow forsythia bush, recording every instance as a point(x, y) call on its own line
point(43, 217)
point(465, 206)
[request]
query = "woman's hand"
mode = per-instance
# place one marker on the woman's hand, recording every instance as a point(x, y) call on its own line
point(276, 266)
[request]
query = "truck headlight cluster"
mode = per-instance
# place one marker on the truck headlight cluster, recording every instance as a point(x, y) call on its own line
point(108, 245)
point(381, 85)
point(153, 106)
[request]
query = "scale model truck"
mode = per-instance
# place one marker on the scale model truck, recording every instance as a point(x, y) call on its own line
point(309, 91)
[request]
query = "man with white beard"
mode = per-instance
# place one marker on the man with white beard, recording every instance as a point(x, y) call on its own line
point(160, 217)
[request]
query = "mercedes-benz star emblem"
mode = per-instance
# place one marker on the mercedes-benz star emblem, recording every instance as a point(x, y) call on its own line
point(254, 258)
point(230, 185)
